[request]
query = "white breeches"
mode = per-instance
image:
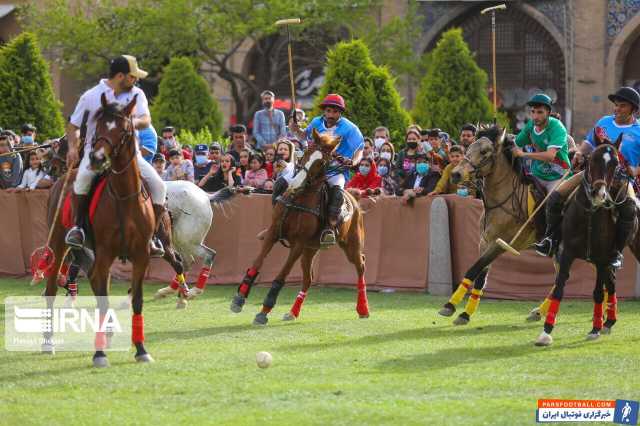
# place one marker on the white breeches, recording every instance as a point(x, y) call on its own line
point(337, 180)
point(156, 185)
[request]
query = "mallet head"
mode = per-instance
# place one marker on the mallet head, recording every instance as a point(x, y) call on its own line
point(492, 8)
point(292, 21)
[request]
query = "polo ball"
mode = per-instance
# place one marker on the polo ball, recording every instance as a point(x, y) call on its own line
point(263, 359)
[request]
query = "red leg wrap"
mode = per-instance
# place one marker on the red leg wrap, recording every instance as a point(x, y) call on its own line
point(295, 309)
point(363, 305)
point(101, 338)
point(597, 315)
point(175, 284)
point(137, 328)
point(202, 278)
point(252, 272)
point(612, 307)
point(244, 289)
point(553, 311)
point(73, 289)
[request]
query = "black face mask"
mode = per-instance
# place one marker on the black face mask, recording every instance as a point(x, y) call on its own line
point(412, 145)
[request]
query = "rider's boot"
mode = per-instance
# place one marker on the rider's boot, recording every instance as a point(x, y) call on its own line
point(155, 245)
point(336, 198)
point(546, 246)
point(75, 236)
point(624, 227)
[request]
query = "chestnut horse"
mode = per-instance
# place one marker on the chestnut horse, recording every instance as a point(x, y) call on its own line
point(298, 219)
point(123, 223)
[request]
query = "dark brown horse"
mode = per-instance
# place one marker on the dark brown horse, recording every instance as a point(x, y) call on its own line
point(298, 219)
point(588, 232)
point(123, 223)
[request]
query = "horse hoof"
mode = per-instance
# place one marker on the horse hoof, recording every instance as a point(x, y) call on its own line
point(261, 319)
point(181, 303)
point(544, 339)
point(100, 362)
point(144, 358)
point(237, 303)
point(194, 292)
point(447, 310)
point(288, 317)
point(125, 304)
point(461, 320)
point(48, 349)
point(593, 336)
point(164, 292)
point(534, 315)
point(606, 330)
point(362, 316)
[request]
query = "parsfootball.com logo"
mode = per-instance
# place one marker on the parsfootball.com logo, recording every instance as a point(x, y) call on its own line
point(32, 324)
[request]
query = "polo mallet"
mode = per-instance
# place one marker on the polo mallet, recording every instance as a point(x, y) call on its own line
point(287, 22)
point(493, 54)
point(43, 258)
point(20, 151)
point(509, 246)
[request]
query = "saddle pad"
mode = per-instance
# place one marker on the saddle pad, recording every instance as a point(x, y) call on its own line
point(67, 209)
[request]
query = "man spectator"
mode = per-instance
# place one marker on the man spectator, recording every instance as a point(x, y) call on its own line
point(202, 164)
point(169, 142)
point(158, 162)
point(179, 168)
point(268, 123)
point(422, 182)
point(467, 135)
point(28, 134)
point(215, 152)
point(10, 165)
point(380, 136)
point(238, 141)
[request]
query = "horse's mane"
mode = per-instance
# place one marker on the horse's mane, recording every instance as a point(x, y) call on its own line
point(111, 110)
point(493, 132)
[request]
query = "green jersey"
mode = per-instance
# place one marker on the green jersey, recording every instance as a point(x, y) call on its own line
point(554, 135)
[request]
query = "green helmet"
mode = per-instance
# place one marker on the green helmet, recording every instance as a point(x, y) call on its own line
point(540, 99)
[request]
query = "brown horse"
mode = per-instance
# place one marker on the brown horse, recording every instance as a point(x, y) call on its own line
point(123, 223)
point(298, 219)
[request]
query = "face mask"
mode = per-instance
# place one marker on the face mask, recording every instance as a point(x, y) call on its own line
point(201, 160)
point(170, 143)
point(386, 155)
point(426, 146)
point(422, 168)
point(462, 191)
point(267, 104)
point(379, 142)
point(27, 140)
point(364, 170)
point(412, 145)
point(383, 170)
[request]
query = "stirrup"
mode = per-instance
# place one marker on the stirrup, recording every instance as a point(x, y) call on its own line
point(327, 238)
point(157, 250)
point(75, 237)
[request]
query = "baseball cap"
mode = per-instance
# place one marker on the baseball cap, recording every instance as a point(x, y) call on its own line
point(158, 157)
point(127, 64)
point(215, 145)
point(201, 148)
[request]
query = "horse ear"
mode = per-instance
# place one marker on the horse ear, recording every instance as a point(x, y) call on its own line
point(129, 108)
point(618, 141)
point(103, 100)
point(502, 136)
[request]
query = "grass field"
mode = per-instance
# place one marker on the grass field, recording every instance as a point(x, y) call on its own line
point(404, 365)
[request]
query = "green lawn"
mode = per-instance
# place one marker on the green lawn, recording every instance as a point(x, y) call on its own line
point(404, 365)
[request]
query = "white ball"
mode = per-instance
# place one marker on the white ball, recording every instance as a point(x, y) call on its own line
point(263, 359)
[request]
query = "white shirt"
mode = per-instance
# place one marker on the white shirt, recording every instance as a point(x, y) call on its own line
point(31, 177)
point(90, 101)
point(418, 181)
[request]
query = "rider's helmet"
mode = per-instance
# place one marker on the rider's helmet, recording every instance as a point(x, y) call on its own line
point(627, 94)
point(333, 100)
point(540, 99)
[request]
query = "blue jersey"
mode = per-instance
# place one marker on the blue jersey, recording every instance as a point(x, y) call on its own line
point(351, 139)
point(630, 144)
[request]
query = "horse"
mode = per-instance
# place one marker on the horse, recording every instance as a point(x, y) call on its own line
point(588, 233)
point(297, 220)
point(123, 225)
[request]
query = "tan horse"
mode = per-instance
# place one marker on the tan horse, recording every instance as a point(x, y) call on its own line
point(298, 219)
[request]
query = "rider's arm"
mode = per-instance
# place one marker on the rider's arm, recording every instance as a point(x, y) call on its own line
point(549, 155)
point(142, 121)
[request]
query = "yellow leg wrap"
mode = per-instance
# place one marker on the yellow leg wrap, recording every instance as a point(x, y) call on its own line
point(460, 292)
point(472, 303)
point(181, 278)
point(544, 306)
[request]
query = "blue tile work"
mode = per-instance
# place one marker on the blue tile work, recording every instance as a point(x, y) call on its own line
point(620, 12)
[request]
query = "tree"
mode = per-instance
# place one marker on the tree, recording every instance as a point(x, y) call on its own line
point(454, 89)
point(185, 101)
point(368, 90)
point(26, 93)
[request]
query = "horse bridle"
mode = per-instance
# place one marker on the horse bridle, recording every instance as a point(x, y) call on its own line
point(589, 185)
point(126, 133)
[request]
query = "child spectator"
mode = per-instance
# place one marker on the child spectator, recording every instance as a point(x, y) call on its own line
point(10, 165)
point(159, 163)
point(225, 175)
point(32, 175)
point(179, 168)
point(389, 184)
point(268, 185)
point(368, 149)
point(444, 186)
point(269, 157)
point(256, 176)
point(215, 152)
point(422, 182)
point(367, 181)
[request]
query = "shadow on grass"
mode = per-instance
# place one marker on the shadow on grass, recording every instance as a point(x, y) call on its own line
point(200, 332)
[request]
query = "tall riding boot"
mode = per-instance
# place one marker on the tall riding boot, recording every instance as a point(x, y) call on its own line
point(157, 250)
point(75, 236)
point(279, 186)
point(624, 227)
point(336, 198)
point(547, 245)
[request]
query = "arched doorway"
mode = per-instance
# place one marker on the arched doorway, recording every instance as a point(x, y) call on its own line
point(528, 58)
point(631, 73)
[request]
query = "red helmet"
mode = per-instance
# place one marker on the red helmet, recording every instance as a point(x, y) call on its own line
point(333, 100)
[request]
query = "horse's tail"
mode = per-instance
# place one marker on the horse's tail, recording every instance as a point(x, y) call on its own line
point(222, 196)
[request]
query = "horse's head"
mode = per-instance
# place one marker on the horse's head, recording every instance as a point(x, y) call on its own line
point(480, 156)
point(114, 132)
point(600, 170)
point(314, 162)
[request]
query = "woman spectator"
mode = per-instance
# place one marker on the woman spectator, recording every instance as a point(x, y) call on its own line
point(367, 181)
point(179, 168)
point(219, 177)
point(285, 160)
point(389, 184)
point(422, 182)
point(32, 176)
point(256, 176)
point(368, 151)
point(243, 163)
point(406, 158)
point(387, 152)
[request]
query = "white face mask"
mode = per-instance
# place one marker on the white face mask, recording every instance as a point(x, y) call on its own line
point(379, 142)
point(386, 155)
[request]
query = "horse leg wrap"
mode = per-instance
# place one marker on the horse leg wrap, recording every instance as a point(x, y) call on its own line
point(362, 306)
point(72, 287)
point(247, 281)
point(612, 308)
point(203, 277)
point(460, 292)
point(472, 303)
point(101, 337)
point(272, 296)
point(597, 316)
point(554, 307)
point(137, 328)
point(175, 284)
point(182, 283)
point(297, 305)
point(544, 306)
